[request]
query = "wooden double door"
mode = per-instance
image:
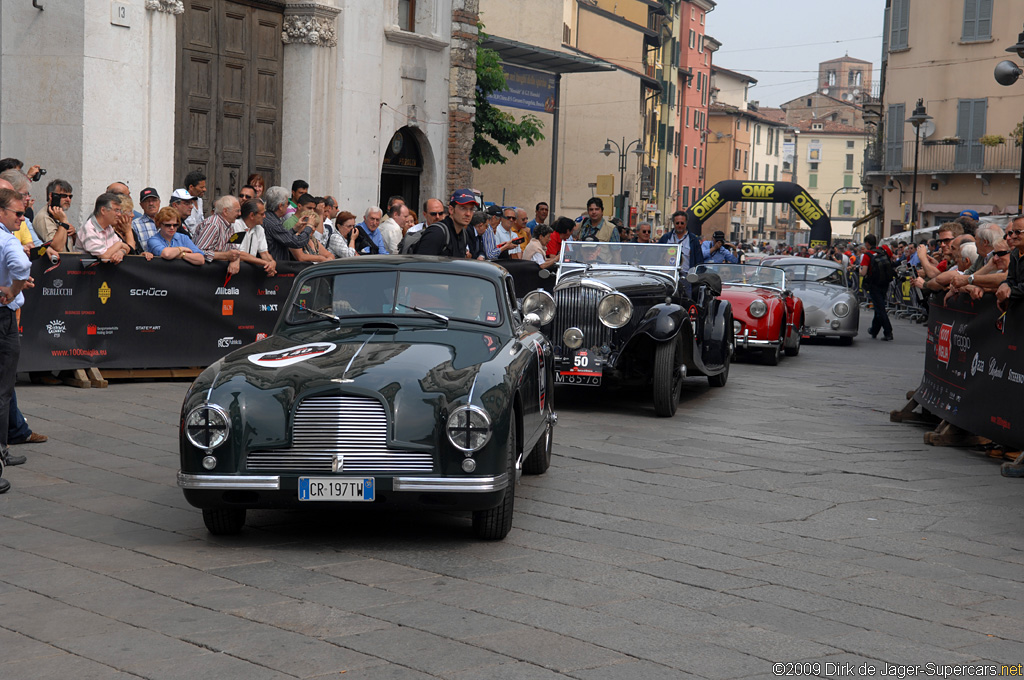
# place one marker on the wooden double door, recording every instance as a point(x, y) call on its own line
point(229, 97)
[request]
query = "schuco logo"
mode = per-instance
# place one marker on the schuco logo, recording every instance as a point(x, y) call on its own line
point(944, 345)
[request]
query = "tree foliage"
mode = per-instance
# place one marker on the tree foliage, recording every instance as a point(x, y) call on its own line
point(494, 129)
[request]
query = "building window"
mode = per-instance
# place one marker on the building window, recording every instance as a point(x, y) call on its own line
point(849, 162)
point(757, 134)
point(849, 144)
point(686, 155)
point(687, 116)
point(702, 18)
point(970, 127)
point(775, 179)
point(738, 123)
point(812, 181)
point(814, 167)
point(846, 208)
point(847, 180)
point(693, 38)
point(700, 44)
point(746, 161)
point(810, 102)
point(899, 25)
point(737, 160)
point(407, 15)
point(686, 196)
point(977, 20)
point(831, 78)
point(757, 169)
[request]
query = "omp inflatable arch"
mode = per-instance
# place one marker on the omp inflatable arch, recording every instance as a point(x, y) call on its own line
point(762, 192)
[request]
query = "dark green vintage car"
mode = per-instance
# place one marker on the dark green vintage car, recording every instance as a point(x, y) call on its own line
point(387, 380)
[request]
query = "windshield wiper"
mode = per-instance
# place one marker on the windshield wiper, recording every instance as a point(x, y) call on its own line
point(439, 317)
point(317, 312)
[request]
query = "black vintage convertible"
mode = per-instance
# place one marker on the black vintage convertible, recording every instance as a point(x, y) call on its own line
point(625, 313)
point(387, 380)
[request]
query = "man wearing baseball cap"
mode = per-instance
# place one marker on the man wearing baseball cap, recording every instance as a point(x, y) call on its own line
point(145, 226)
point(447, 237)
point(183, 201)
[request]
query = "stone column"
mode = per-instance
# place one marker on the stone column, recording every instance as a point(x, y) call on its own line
point(462, 94)
point(158, 160)
point(308, 114)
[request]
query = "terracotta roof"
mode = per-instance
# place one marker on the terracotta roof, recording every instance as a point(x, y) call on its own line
point(771, 115)
point(828, 126)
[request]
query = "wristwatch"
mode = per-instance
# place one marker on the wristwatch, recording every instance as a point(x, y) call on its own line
point(970, 279)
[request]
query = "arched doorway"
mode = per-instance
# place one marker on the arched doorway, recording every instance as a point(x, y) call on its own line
point(402, 169)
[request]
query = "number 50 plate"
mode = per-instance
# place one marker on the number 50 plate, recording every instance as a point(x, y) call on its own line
point(336, 488)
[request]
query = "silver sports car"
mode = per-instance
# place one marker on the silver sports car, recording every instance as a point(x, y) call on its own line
point(830, 300)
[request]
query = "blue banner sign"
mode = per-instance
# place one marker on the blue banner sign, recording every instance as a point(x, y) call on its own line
point(527, 89)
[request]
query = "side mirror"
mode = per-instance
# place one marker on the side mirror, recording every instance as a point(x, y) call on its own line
point(532, 321)
point(692, 277)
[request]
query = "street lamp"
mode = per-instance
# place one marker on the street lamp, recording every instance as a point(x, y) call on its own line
point(919, 117)
point(620, 201)
point(1007, 74)
point(840, 189)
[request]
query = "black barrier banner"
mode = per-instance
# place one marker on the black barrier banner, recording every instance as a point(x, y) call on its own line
point(139, 314)
point(969, 375)
point(762, 192)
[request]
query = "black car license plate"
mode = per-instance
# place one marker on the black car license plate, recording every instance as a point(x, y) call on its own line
point(585, 371)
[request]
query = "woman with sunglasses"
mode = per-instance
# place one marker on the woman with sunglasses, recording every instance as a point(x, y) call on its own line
point(172, 244)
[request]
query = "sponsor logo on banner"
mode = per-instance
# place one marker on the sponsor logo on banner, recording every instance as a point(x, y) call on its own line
point(1014, 377)
point(93, 329)
point(944, 346)
point(227, 307)
point(227, 342)
point(977, 364)
point(148, 292)
point(226, 291)
point(147, 329)
point(56, 328)
point(247, 328)
point(292, 355)
point(104, 293)
point(268, 308)
point(961, 340)
point(267, 291)
point(58, 289)
point(261, 336)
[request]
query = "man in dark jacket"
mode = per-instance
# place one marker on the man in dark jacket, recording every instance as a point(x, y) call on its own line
point(447, 238)
point(1013, 287)
point(692, 254)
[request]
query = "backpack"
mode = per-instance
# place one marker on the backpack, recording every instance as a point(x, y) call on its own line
point(411, 241)
point(880, 270)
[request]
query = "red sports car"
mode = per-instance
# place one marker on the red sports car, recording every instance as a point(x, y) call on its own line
point(767, 317)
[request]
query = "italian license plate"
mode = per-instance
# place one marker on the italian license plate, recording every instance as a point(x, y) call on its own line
point(585, 371)
point(336, 488)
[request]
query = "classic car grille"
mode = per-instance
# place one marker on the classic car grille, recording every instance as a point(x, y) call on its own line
point(355, 427)
point(577, 306)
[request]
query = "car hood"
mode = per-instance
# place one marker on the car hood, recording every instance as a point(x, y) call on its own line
point(417, 373)
point(818, 295)
point(632, 282)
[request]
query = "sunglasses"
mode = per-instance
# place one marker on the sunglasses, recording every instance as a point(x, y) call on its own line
point(645, 231)
point(944, 240)
point(508, 217)
point(439, 212)
point(63, 196)
point(1000, 253)
point(170, 224)
point(1014, 232)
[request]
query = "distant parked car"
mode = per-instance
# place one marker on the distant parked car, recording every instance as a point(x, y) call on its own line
point(829, 294)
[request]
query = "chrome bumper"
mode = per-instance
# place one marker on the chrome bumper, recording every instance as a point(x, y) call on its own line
point(273, 483)
point(745, 342)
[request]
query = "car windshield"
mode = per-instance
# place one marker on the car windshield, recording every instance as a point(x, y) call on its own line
point(650, 255)
point(396, 294)
point(746, 275)
point(814, 272)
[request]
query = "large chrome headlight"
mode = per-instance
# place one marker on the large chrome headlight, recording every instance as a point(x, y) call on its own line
point(614, 310)
point(840, 309)
point(207, 426)
point(757, 308)
point(469, 428)
point(541, 303)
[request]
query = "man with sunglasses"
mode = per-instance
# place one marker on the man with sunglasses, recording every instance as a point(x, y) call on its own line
point(14, 277)
point(52, 224)
point(643, 232)
point(989, 277)
point(505, 234)
point(932, 267)
point(1013, 287)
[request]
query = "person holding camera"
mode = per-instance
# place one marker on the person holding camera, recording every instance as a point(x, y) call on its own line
point(53, 226)
point(717, 251)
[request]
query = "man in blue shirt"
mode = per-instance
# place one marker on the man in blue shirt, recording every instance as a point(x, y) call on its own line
point(540, 216)
point(370, 230)
point(14, 277)
point(690, 244)
point(717, 251)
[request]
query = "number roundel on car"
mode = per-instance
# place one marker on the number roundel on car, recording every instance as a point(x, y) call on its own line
point(292, 355)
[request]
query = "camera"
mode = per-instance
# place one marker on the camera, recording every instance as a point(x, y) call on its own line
point(39, 173)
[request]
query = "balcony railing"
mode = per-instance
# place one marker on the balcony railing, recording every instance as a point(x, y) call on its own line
point(950, 158)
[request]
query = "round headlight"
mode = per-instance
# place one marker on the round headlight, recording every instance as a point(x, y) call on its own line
point(572, 337)
point(541, 303)
point(840, 309)
point(206, 426)
point(614, 310)
point(737, 327)
point(469, 428)
point(757, 308)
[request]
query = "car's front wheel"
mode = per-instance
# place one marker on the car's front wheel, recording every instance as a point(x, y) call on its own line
point(224, 521)
point(494, 524)
point(668, 382)
point(539, 460)
point(795, 349)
